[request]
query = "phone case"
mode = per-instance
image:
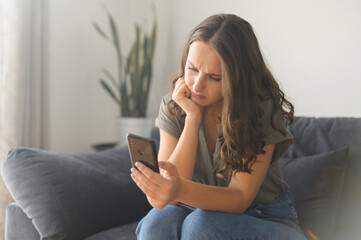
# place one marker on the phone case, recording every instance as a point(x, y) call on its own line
point(143, 150)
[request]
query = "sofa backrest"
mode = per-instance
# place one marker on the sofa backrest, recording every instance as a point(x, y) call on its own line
point(320, 135)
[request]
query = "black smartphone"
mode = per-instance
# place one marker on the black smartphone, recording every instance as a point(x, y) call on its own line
point(143, 150)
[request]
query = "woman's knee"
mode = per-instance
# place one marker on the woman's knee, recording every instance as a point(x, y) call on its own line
point(200, 225)
point(161, 224)
point(210, 225)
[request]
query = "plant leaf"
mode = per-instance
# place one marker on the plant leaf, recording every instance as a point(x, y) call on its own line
point(137, 62)
point(125, 100)
point(109, 90)
point(152, 40)
point(114, 31)
point(111, 78)
point(116, 42)
point(100, 31)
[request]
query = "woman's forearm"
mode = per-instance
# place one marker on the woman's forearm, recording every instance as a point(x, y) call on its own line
point(212, 198)
point(184, 155)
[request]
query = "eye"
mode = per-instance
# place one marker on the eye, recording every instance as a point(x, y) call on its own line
point(193, 69)
point(215, 79)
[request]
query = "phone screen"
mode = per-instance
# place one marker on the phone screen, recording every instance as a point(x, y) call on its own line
point(143, 150)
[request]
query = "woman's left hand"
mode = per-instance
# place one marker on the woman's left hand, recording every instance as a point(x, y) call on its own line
point(160, 189)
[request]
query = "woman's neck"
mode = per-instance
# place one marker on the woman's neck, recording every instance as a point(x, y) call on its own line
point(213, 111)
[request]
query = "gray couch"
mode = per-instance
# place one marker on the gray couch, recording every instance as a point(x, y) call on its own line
point(91, 195)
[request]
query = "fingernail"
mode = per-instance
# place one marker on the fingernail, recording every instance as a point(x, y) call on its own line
point(162, 163)
point(132, 175)
point(137, 164)
point(132, 170)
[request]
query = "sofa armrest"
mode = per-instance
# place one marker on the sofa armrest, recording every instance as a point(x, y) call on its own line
point(74, 195)
point(17, 225)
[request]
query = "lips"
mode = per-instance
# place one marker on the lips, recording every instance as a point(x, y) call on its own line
point(196, 96)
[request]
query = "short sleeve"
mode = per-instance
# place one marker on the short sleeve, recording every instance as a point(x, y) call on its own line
point(166, 121)
point(273, 136)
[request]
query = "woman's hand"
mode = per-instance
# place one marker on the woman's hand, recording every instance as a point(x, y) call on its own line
point(160, 189)
point(181, 95)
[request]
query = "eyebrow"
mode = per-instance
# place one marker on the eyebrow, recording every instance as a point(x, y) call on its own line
point(213, 74)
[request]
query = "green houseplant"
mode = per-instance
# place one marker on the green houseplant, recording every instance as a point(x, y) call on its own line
point(130, 88)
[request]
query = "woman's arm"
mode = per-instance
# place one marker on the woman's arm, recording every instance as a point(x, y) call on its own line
point(236, 198)
point(181, 153)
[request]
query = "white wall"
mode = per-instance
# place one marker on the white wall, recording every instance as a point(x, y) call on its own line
point(312, 47)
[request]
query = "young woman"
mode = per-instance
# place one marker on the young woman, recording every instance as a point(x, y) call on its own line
point(222, 134)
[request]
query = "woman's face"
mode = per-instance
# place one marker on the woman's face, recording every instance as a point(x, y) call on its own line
point(203, 74)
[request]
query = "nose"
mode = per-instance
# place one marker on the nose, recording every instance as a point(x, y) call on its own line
point(199, 83)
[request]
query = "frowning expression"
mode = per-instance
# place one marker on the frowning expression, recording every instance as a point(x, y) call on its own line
point(203, 74)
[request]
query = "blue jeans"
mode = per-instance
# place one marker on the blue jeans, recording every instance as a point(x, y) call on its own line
point(277, 220)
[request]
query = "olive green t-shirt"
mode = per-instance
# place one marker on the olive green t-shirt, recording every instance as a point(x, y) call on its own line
point(206, 167)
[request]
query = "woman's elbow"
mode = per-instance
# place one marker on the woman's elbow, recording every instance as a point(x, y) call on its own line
point(241, 204)
point(239, 209)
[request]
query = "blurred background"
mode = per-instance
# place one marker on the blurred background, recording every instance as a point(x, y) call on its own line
point(51, 59)
point(312, 47)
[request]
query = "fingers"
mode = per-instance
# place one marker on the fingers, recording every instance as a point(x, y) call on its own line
point(169, 167)
point(180, 90)
point(149, 173)
point(145, 187)
point(160, 190)
point(147, 178)
point(150, 183)
point(179, 82)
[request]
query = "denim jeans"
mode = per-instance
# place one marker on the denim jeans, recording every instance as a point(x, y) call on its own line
point(277, 220)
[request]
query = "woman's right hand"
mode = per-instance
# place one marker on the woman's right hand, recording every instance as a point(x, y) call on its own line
point(181, 95)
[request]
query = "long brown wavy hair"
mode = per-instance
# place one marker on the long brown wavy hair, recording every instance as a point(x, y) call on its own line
point(246, 84)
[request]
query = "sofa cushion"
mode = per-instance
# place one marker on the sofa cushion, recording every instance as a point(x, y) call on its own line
point(73, 196)
point(123, 232)
point(316, 183)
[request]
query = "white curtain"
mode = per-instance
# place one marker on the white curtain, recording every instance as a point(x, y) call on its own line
point(23, 88)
